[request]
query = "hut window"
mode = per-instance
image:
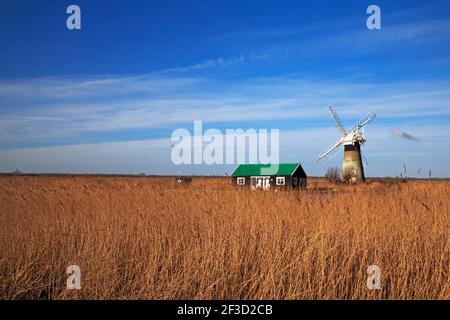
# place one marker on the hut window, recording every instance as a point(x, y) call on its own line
point(241, 181)
point(280, 181)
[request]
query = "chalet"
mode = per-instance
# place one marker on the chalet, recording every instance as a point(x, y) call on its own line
point(266, 176)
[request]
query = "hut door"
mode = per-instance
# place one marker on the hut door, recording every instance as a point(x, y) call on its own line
point(263, 183)
point(260, 183)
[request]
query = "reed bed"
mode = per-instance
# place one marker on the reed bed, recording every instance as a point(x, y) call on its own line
point(149, 238)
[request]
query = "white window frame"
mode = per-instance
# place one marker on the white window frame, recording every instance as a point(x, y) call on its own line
point(240, 181)
point(280, 181)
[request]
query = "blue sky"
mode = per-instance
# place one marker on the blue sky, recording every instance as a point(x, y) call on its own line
point(107, 97)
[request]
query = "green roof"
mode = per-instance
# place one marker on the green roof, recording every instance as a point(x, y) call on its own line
point(279, 169)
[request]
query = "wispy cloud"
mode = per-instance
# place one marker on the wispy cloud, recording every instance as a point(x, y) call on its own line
point(399, 133)
point(342, 36)
point(64, 110)
point(56, 123)
point(78, 87)
point(152, 156)
point(209, 63)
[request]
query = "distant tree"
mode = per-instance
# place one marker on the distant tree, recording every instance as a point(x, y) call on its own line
point(333, 174)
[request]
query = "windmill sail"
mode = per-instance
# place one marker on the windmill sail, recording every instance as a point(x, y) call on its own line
point(364, 159)
point(329, 151)
point(337, 120)
point(369, 117)
point(352, 165)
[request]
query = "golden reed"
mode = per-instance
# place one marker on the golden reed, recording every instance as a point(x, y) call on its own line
point(149, 238)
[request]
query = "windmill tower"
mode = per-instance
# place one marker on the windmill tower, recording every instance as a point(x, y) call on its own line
point(352, 166)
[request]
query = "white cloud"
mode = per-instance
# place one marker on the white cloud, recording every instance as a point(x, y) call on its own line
point(153, 156)
point(78, 87)
point(399, 133)
point(209, 63)
point(116, 157)
point(49, 115)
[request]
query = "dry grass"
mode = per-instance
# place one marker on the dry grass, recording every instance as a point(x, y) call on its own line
point(148, 238)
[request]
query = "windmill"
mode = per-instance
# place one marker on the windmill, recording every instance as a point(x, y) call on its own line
point(352, 166)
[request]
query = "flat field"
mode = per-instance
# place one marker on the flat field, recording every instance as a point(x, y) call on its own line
point(149, 238)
